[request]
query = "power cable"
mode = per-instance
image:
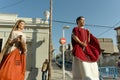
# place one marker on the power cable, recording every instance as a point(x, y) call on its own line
point(109, 29)
point(11, 5)
point(85, 24)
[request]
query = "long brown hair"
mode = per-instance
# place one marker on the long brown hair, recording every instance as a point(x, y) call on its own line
point(17, 24)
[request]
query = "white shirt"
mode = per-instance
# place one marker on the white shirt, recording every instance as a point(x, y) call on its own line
point(15, 34)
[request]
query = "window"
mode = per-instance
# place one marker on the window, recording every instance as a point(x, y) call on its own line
point(1, 44)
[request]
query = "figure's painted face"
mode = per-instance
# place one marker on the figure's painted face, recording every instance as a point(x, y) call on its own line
point(81, 22)
point(21, 25)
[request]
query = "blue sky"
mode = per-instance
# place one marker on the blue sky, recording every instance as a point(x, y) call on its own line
point(104, 13)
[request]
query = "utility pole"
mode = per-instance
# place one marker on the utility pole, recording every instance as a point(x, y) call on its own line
point(50, 41)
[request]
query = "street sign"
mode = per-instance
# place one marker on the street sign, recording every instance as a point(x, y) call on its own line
point(62, 41)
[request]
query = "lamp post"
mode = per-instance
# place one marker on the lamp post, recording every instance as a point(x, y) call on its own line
point(63, 59)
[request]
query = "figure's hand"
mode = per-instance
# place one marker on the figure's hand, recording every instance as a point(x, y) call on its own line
point(84, 44)
point(19, 38)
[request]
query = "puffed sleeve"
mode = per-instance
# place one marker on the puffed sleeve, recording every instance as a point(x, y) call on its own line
point(75, 31)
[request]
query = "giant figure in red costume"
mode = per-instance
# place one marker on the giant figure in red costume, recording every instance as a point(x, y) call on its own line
point(86, 52)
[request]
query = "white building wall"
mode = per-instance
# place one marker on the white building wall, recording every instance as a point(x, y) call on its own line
point(8, 17)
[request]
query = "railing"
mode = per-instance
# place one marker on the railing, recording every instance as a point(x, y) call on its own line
point(108, 72)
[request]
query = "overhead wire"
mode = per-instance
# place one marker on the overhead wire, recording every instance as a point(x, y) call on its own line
point(11, 5)
point(85, 24)
point(109, 29)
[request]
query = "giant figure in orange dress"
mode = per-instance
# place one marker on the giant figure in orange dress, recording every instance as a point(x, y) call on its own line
point(13, 64)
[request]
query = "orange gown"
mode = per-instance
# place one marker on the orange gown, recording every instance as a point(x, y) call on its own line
point(13, 65)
